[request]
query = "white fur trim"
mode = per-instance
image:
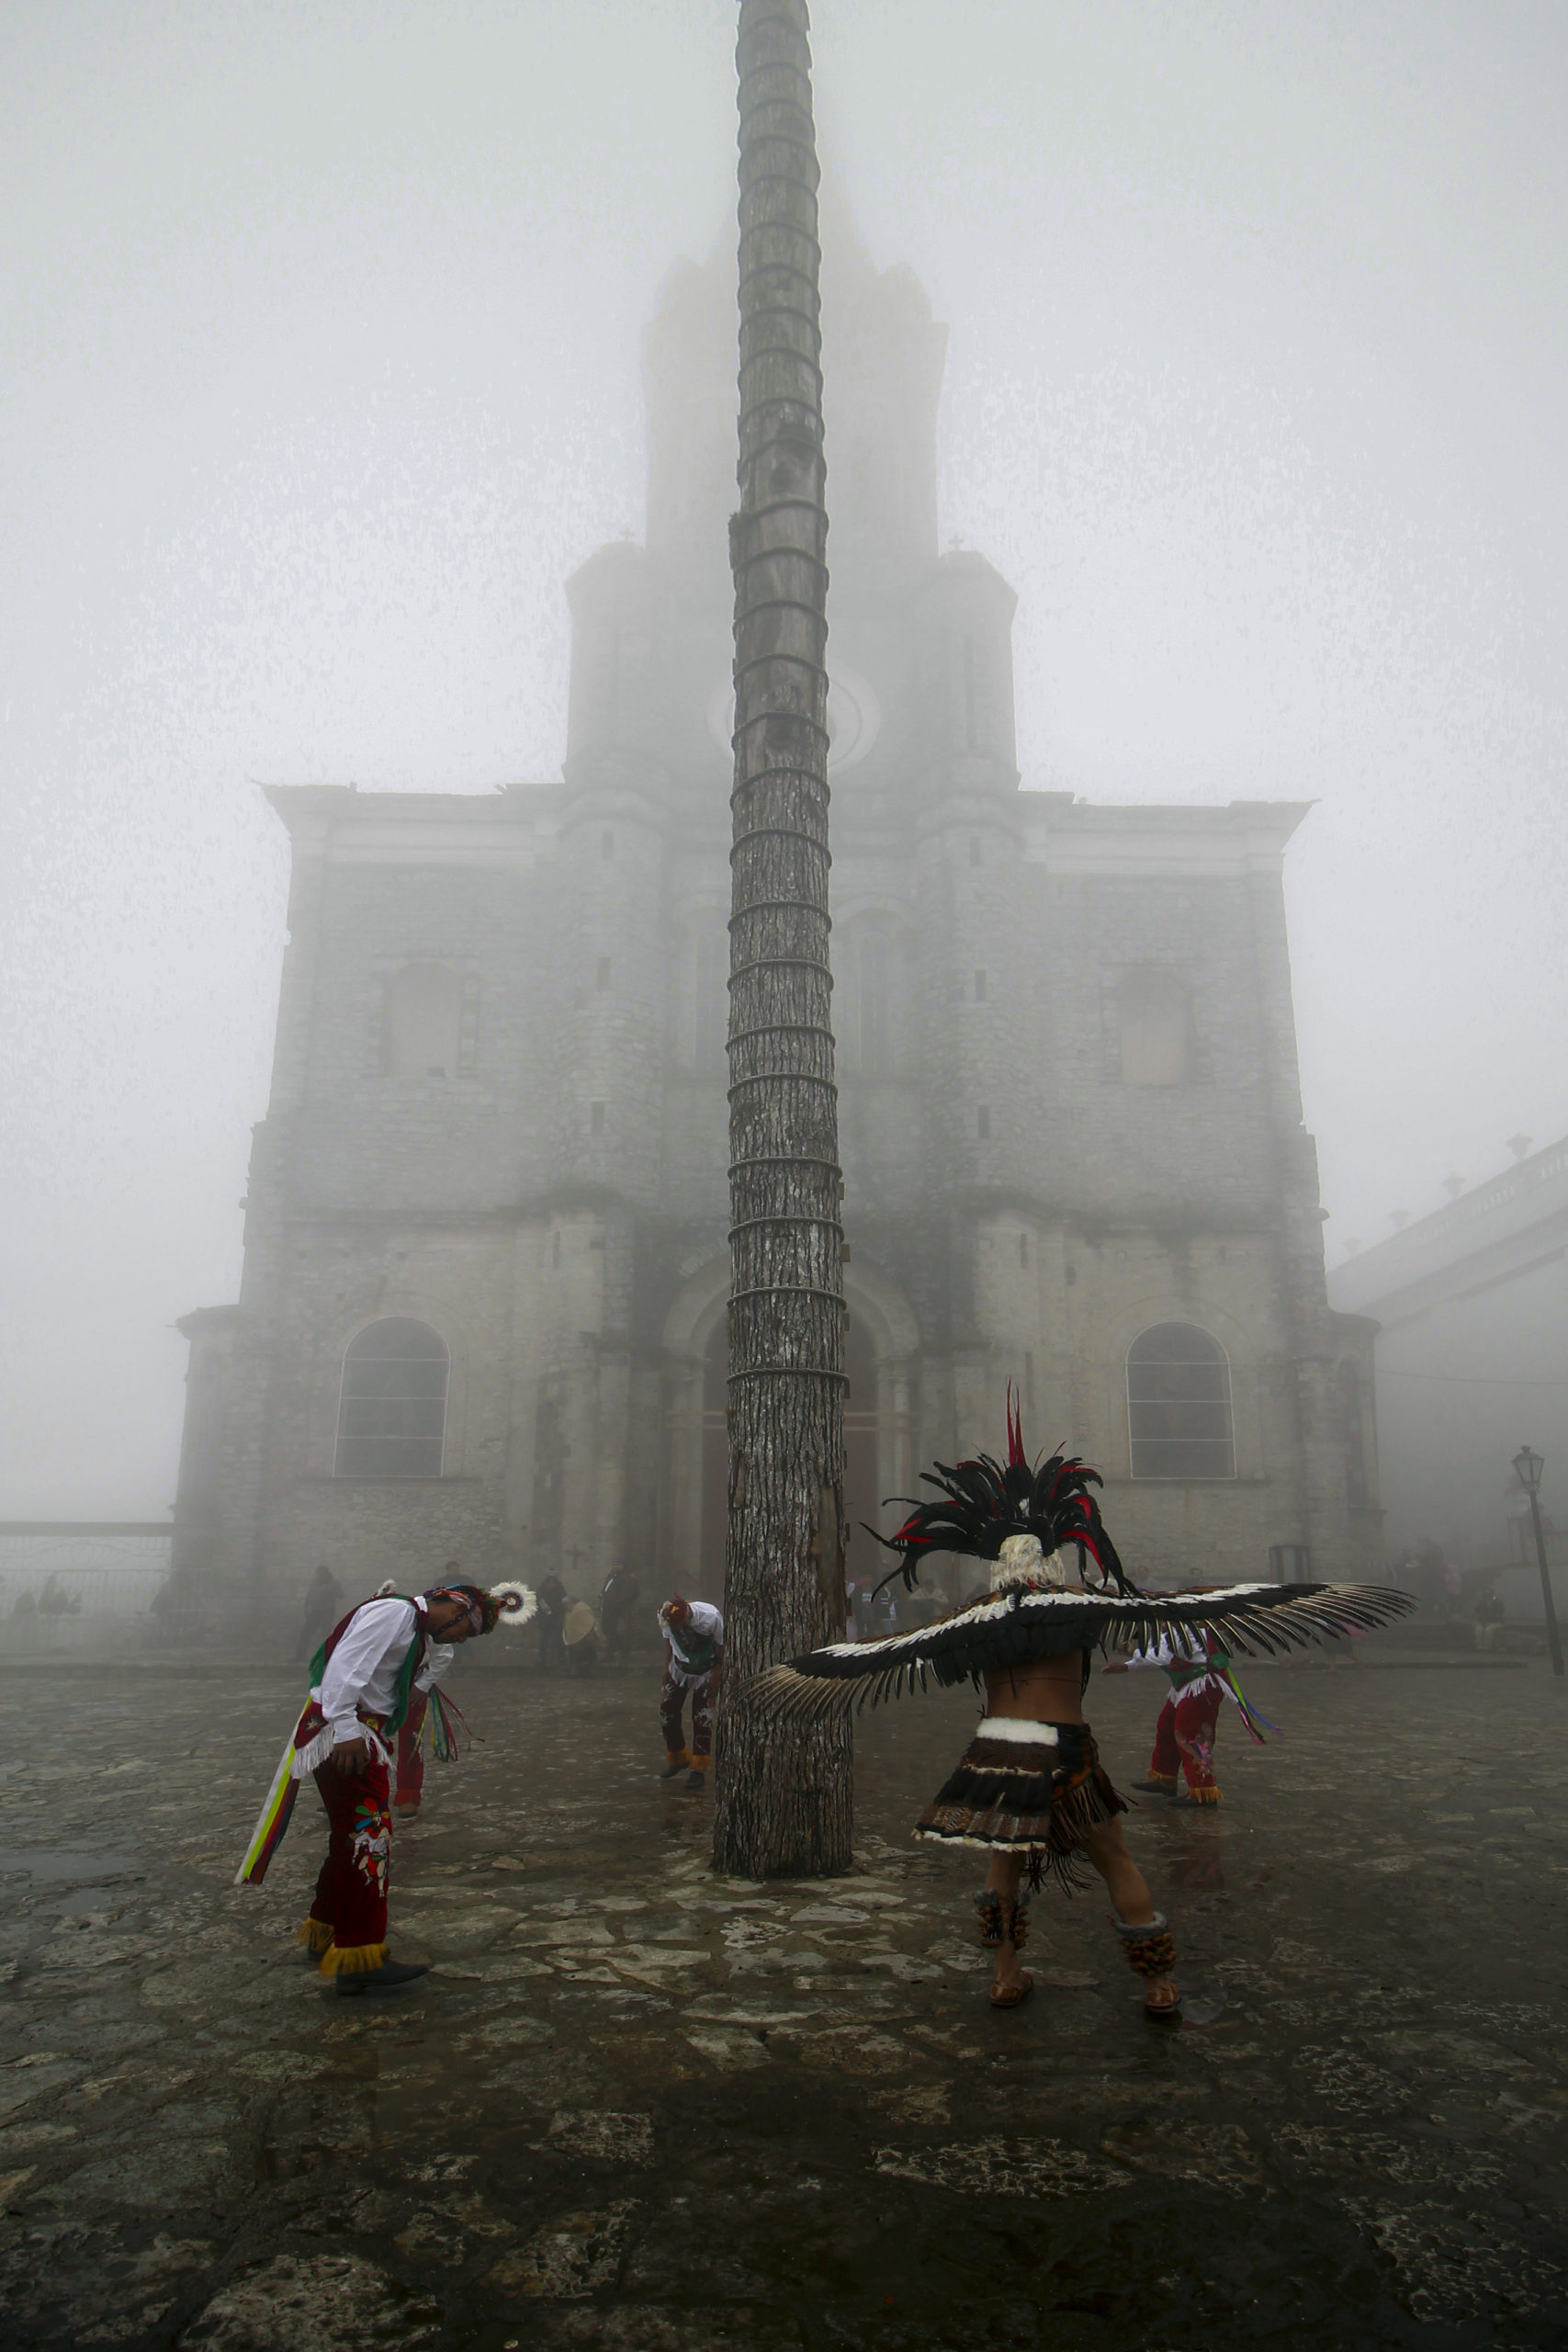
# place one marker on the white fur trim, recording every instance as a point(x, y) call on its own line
point(1022, 1561)
point(314, 1752)
point(1018, 1727)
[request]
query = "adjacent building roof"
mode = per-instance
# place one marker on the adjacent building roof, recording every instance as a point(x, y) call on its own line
point(1495, 1234)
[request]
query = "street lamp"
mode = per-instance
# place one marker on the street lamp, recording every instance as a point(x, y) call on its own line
point(1527, 1467)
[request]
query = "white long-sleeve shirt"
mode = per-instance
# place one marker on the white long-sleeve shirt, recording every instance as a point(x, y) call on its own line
point(1183, 1649)
point(363, 1669)
point(707, 1622)
point(1183, 1655)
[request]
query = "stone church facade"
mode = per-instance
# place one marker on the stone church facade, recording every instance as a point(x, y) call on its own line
point(486, 1261)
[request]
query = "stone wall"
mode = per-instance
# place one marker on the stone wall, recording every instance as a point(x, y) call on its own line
point(555, 1204)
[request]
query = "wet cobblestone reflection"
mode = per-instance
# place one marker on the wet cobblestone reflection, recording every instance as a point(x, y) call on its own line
point(635, 2107)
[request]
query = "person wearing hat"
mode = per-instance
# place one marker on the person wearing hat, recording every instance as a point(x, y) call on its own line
point(363, 1680)
point(694, 1661)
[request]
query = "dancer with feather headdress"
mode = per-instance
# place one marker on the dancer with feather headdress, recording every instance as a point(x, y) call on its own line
point(1031, 1786)
point(387, 1651)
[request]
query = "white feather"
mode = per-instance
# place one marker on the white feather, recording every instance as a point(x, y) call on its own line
point(518, 1604)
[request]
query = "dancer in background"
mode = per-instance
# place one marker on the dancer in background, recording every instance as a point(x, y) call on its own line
point(1200, 1679)
point(1031, 1789)
point(617, 1603)
point(362, 1678)
point(319, 1612)
point(693, 1661)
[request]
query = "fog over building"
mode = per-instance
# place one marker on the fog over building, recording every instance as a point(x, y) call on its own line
point(482, 1311)
point(1471, 1309)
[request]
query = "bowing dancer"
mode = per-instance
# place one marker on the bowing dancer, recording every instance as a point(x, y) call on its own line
point(1030, 1788)
point(693, 1662)
point(362, 1682)
point(1198, 1672)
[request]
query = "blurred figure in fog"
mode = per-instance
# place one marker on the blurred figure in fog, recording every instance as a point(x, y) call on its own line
point(616, 1603)
point(551, 1597)
point(1489, 1614)
point(323, 1605)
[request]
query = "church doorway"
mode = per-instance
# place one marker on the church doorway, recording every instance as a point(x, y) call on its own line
point(861, 1432)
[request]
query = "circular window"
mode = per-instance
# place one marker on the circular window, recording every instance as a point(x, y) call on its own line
point(854, 718)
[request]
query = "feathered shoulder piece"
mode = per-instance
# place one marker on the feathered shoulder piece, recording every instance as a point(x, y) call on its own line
point(985, 1503)
point(1031, 1620)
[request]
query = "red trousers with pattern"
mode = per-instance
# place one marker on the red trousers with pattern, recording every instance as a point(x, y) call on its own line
point(411, 1758)
point(351, 1893)
point(671, 1707)
point(1184, 1738)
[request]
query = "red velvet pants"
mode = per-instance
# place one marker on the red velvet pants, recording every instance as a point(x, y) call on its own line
point(351, 1893)
point(1184, 1737)
point(411, 1759)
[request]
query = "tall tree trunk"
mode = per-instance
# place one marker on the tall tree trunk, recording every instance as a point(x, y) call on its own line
point(785, 1795)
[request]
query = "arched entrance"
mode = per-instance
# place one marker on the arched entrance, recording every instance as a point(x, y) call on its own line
point(883, 1343)
point(862, 1434)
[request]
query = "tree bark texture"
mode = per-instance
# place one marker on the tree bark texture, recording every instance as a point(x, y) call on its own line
point(785, 1795)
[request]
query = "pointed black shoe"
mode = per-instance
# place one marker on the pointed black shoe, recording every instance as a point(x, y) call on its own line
point(391, 1978)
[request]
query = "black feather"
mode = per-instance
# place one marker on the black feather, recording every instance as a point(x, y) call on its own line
point(1013, 1628)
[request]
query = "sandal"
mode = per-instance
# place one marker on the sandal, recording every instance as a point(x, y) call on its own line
point(1009, 1997)
point(1162, 2012)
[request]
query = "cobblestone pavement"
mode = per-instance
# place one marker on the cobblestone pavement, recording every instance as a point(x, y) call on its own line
point(643, 2108)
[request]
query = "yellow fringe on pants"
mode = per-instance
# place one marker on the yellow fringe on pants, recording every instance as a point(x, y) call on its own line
point(340, 1959)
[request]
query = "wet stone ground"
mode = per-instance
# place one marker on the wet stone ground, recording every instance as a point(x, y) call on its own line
point(639, 2107)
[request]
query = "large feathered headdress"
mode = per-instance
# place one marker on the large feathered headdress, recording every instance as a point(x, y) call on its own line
point(985, 1503)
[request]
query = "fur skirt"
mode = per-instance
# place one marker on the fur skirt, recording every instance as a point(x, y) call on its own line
point(1029, 1788)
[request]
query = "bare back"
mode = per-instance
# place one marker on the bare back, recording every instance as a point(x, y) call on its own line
point(1045, 1691)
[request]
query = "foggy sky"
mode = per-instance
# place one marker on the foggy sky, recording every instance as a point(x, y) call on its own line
point(321, 338)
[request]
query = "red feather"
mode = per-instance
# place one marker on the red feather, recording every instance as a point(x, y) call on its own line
point(1017, 1458)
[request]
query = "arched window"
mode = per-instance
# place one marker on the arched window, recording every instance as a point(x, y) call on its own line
point(391, 1419)
point(1154, 1028)
point(861, 1494)
point(422, 1023)
point(1179, 1404)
